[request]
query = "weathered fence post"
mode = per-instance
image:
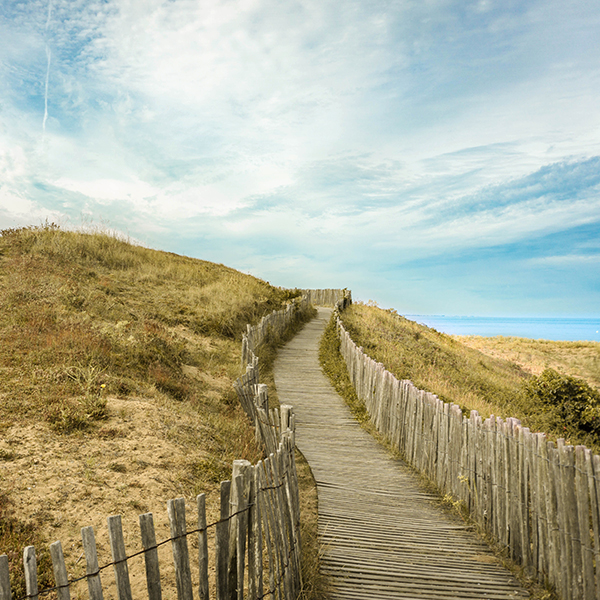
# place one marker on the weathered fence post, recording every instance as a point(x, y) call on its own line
point(150, 556)
point(255, 545)
point(222, 543)
point(5, 593)
point(30, 567)
point(60, 571)
point(238, 527)
point(91, 558)
point(117, 547)
point(202, 548)
point(179, 545)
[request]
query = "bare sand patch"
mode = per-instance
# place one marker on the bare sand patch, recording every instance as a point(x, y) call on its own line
point(131, 464)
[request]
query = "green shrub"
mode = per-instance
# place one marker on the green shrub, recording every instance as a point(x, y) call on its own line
point(565, 402)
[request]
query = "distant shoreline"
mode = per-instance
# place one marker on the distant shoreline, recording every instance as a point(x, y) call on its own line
point(566, 329)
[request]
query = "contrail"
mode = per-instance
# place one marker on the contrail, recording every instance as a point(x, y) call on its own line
point(49, 57)
point(49, 14)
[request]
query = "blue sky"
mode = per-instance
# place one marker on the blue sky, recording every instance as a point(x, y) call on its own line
point(437, 156)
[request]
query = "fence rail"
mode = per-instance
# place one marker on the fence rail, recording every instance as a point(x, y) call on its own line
point(539, 499)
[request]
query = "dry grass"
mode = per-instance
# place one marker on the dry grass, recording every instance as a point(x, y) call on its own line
point(434, 361)
point(117, 367)
point(484, 374)
point(314, 584)
point(578, 359)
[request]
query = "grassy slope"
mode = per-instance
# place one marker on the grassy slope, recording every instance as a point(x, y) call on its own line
point(117, 364)
point(578, 359)
point(434, 361)
point(461, 374)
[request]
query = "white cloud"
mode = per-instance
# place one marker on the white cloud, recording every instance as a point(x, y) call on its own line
point(109, 189)
point(567, 260)
point(369, 130)
point(15, 204)
point(13, 163)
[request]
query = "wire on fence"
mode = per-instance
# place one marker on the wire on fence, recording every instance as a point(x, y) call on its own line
point(141, 552)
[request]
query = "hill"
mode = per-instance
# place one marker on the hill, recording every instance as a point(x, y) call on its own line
point(506, 378)
point(579, 359)
point(117, 367)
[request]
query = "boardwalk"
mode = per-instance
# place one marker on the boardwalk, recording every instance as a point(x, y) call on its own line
point(383, 536)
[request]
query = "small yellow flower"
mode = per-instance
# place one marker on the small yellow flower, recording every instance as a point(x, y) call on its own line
point(103, 385)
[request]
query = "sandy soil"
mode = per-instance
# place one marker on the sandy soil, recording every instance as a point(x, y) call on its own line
point(131, 465)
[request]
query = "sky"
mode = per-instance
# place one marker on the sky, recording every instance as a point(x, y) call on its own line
point(435, 156)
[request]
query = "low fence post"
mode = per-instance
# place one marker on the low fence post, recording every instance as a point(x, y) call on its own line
point(202, 548)
point(60, 571)
point(91, 558)
point(5, 593)
point(238, 525)
point(117, 546)
point(179, 545)
point(30, 568)
point(150, 556)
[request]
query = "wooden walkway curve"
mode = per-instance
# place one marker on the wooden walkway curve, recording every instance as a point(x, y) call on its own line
point(383, 537)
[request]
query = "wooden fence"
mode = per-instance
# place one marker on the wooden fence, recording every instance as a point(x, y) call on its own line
point(327, 297)
point(270, 326)
point(257, 546)
point(274, 325)
point(539, 499)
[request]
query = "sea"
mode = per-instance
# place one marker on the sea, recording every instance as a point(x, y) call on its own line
point(539, 328)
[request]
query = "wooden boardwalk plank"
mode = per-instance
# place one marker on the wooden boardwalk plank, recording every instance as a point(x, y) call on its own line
point(382, 535)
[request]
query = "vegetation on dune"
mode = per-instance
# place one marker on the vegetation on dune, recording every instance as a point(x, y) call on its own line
point(335, 368)
point(99, 338)
point(88, 315)
point(578, 359)
point(557, 403)
point(434, 361)
point(562, 404)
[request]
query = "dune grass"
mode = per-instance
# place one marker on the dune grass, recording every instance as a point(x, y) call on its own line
point(459, 372)
point(578, 359)
point(117, 365)
point(88, 315)
point(434, 361)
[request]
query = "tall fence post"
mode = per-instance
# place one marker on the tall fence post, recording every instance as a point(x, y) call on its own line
point(222, 543)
